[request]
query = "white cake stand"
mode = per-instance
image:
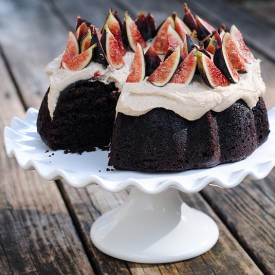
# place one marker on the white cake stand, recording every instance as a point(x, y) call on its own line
point(154, 225)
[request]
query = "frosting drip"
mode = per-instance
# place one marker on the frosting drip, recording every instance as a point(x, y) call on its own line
point(60, 78)
point(191, 101)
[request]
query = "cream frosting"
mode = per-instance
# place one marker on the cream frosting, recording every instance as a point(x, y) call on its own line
point(191, 101)
point(60, 78)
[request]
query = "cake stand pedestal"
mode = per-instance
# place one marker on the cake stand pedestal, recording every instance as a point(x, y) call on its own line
point(154, 228)
point(154, 225)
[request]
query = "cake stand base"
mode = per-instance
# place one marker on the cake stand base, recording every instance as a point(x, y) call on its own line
point(154, 228)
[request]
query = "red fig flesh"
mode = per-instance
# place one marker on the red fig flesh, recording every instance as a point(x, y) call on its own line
point(222, 61)
point(233, 53)
point(112, 50)
point(186, 70)
point(86, 41)
point(72, 48)
point(160, 41)
point(244, 50)
point(188, 18)
point(114, 27)
point(81, 31)
point(211, 75)
point(133, 34)
point(79, 61)
point(165, 71)
point(173, 39)
point(152, 60)
point(181, 28)
point(137, 73)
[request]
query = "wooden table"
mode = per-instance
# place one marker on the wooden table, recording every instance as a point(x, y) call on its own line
point(44, 226)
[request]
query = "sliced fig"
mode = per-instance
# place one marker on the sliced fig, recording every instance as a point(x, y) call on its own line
point(99, 55)
point(166, 69)
point(173, 38)
point(233, 53)
point(211, 45)
point(114, 27)
point(186, 70)
point(132, 33)
point(152, 60)
point(189, 18)
point(181, 28)
point(115, 13)
point(72, 48)
point(79, 61)
point(146, 25)
point(160, 40)
point(137, 73)
point(151, 26)
point(81, 31)
point(86, 41)
point(79, 21)
point(112, 50)
point(204, 28)
point(211, 75)
point(222, 61)
point(244, 50)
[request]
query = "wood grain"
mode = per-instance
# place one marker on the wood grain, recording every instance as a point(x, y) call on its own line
point(36, 231)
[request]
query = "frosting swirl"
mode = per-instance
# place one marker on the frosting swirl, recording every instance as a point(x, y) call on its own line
point(191, 101)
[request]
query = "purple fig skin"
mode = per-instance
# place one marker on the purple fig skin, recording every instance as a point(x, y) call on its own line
point(151, 26)
point(220, 62)
point(115, 13)
point(189, 19)
point(99, 55)
point(146, 25)
point(79, 21)
point(152, 61)
point(190, 43)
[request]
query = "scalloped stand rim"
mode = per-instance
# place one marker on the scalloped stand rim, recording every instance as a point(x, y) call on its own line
point(157, 228)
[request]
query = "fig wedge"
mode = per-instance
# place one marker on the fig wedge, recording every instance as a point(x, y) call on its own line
point(152, 60)
point(146, 25)
point(79, 61)
point(189, 18)
point(72, 48)
point(186, 70)
point(137, 73)
point(99, 55)
point(204, 28)
point(181, 28)
point(81, 31)
point(160, 40)
point(211, 75)
point(132, 33)
point(173, 38)
point(111, 48)
point(79, 21)
point(233, 53)
point(222, 61)
point(114, 27)
point(244, 50)
point(86, 41)
point(165, 71)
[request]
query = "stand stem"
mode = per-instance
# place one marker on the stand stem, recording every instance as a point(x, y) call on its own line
point(154, 228)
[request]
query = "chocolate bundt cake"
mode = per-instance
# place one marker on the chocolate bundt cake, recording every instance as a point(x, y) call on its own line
point(191, 101)
point(161, 140)
point(83, 118)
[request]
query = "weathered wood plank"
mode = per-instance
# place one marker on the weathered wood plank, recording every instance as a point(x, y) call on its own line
point(36, 231)
point(89, 203)
point(248, 211)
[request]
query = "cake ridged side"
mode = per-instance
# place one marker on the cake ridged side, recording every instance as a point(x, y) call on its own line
point(163, 141)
